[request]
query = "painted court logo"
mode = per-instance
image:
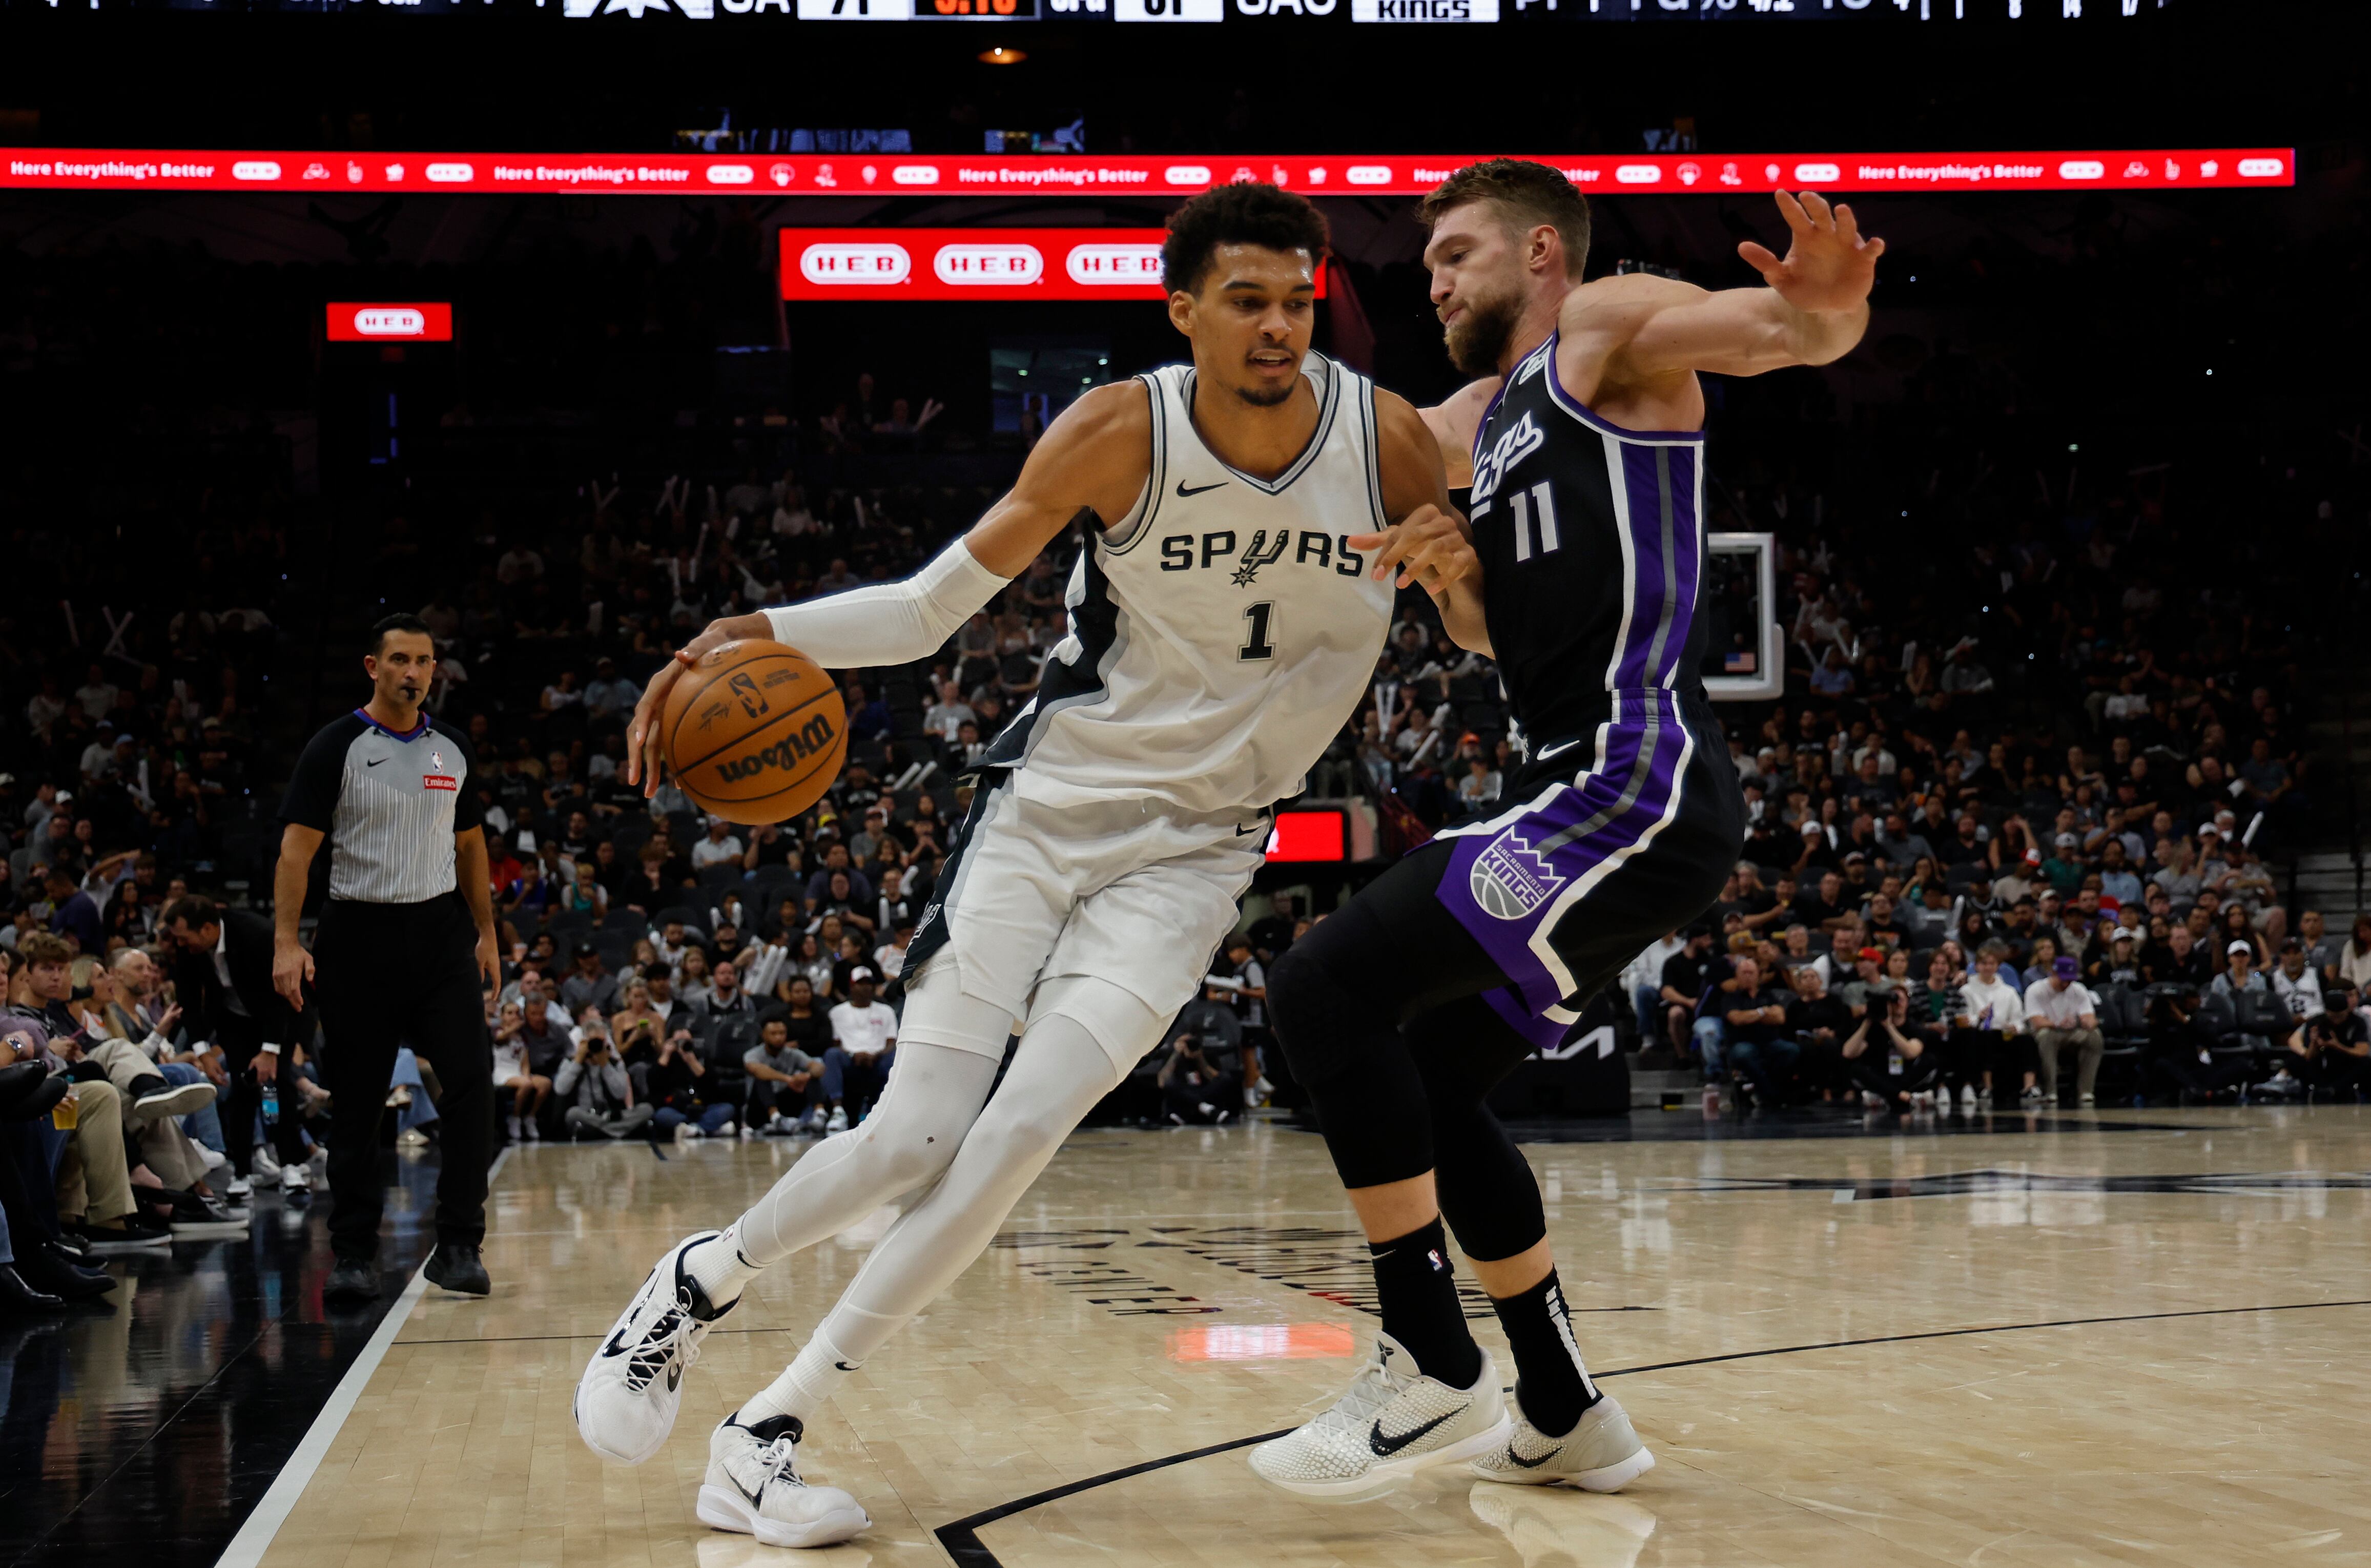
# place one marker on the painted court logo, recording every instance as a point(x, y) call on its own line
point(1510, 879)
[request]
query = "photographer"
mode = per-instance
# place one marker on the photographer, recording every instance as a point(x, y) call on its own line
point(2179, 1059)
point(1192, 1088)
point(1887, 1059)
point(674, 1096)
point(592, 1085)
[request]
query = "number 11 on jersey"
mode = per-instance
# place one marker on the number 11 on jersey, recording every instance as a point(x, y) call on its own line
point(1256, 645)
point(1522, 501)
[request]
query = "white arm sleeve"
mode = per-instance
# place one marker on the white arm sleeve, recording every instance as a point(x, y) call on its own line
point(889, 623)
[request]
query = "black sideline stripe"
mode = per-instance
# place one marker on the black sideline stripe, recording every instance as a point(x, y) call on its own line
point(962, 1541)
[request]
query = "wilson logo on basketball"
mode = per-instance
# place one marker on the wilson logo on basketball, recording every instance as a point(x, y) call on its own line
point(811, 738)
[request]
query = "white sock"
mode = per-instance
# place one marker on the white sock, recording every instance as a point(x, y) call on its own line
point(805, 1385)
point(720, 1268)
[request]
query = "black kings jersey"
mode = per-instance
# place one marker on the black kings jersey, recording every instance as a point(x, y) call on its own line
point(1591, 540)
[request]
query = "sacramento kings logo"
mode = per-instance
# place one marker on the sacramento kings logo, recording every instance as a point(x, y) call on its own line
point(1510, 879)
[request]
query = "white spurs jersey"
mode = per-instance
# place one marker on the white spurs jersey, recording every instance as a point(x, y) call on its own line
point(1223, 631)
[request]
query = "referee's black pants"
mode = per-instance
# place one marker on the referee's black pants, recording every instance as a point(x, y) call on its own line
point(392, 974)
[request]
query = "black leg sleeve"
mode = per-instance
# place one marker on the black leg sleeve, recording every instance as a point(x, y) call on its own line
point(1488, 1193)
point(1344, 1040)
point(1340, 996)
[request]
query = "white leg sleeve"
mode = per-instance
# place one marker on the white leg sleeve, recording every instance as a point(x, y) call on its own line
point(935, 1091)
point(1058, 1073)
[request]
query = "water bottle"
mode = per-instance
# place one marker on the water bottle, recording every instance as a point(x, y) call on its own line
point(270, 1104)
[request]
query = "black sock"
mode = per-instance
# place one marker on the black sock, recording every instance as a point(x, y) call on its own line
point(1551, 1384)
point(1417, 1288)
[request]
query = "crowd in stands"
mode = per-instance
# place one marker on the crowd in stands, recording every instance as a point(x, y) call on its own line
point(2029, 723)
point(1935, 901)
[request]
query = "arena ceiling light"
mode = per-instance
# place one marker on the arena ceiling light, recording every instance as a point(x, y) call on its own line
point(1000, 55)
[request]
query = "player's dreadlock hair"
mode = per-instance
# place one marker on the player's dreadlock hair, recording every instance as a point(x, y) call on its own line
point(1525, 194)
point(1236, 215)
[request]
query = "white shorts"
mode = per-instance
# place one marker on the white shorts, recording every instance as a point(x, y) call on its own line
point(1133, 892)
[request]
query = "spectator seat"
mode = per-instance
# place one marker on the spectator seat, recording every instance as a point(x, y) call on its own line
point(2122, 1022)
point(2264, 1019)
point(695, 921)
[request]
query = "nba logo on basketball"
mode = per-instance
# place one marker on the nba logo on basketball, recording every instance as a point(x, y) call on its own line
point(753, 701)
point(1510, 879)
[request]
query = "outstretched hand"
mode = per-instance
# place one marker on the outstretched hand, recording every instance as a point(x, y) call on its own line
point(1829, 267)
point(1428, 548)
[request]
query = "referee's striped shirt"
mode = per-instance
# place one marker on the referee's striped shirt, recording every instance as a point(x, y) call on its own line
point(390, 804)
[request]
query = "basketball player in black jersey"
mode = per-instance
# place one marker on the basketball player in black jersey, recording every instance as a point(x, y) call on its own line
point(1586, 443)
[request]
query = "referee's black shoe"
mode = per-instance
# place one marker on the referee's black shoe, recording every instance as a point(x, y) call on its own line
point(454, 1267)
point(354, 1279)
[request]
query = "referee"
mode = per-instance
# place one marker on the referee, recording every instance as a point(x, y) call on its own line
point(404, 943)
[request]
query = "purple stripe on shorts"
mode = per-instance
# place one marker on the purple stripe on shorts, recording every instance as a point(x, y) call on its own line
point(1500, 886)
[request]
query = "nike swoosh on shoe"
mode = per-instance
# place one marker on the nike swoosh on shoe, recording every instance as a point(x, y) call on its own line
point(1515, 1459)
point(1385, 1448)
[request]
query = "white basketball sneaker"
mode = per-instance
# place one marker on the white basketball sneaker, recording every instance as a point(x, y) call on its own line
point(1393, 1421)
point(1600, 1454)
point(753, 1487)
point(626, 1400)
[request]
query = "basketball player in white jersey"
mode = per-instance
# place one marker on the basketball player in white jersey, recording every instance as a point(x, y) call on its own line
point(1226, 615)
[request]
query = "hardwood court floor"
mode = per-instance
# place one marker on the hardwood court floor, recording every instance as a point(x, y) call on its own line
point(2138, 1340)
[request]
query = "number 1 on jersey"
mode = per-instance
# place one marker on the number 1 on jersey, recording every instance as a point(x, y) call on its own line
point(1259, 647)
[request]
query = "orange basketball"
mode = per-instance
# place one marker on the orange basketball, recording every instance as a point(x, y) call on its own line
point(754, 732)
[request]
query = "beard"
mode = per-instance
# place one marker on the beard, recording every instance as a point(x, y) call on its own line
point(1477, 341)
point(1266, 397)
